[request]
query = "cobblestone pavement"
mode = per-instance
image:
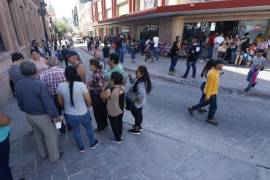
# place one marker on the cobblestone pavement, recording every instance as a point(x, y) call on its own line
point(234, 79)
point(173, 145)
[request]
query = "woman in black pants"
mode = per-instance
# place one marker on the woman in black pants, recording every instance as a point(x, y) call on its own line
point(136, 97)
point(115, 96)
point(95, 87)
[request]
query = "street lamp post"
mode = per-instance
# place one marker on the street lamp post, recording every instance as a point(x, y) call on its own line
point(43, 14)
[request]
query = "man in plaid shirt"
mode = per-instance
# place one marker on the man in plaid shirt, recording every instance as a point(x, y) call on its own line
point(53, 77)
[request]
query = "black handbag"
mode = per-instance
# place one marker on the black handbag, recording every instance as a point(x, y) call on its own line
point(129, 103)
point(96, 99)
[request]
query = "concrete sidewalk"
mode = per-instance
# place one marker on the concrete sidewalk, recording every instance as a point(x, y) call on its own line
point(233, 80)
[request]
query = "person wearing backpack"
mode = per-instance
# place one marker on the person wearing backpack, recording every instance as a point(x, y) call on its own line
point(114, 94)
point(136, 97)
point(193, 54)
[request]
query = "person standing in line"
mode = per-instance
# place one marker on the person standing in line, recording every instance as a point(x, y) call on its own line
point(242, 49)
point(136, 97)
point(156, 41)
point(5, 172)
point(115, 66)
point(142, 44)
point(257, 65)
point(193, 54)
point(105, 55)
point(95, 86)
point(218, 41)
point(40, 62)
point(174, 53)
point(115, 97)
point(210, 92)
point(14, 72)
point(34, 98)
point(53, 77)
point(75, 98)
point(75, 61)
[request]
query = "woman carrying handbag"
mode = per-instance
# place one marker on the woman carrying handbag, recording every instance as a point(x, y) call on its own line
point(136, 97)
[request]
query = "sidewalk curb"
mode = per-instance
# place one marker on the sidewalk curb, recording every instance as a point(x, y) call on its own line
point(196, 84)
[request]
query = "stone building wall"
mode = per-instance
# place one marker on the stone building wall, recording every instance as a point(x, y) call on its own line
point(20, 23)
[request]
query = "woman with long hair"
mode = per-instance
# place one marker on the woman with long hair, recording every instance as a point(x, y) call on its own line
point(95, 86)
point(136, 97)
point(75, 98)
point(114, 94)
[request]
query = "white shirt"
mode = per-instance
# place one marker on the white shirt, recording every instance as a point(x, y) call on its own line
point(79, 89)
point(219, 39)
point(156, 40)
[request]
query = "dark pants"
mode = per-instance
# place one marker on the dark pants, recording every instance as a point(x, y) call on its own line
point(189, 65)
point(137, 114)
point(117, 126)
point(12, 87)
point(213, 106)
point(100, 113)
point(66, 62)
point(174, 60)
point(5, 172)
point(59, 109)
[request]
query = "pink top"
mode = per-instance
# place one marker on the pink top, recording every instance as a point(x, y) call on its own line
point(41, 65)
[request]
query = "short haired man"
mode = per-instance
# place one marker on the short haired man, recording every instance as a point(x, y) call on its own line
point(115, 66)
point(14, 72)
point(36, 101)
point(210, 92)
point(75, 60)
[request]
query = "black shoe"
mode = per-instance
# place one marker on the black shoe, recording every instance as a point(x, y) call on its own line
point(134, 131)
point(93, 146)
point(82, 149)
point(212, 121)
point(190, 111)
point(184, 77)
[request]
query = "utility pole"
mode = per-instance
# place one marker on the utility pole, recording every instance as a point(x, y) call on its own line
point(43, 14)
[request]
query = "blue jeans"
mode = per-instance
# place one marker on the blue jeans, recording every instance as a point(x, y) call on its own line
point(121, 54)
point(210, 52)
point(85, 121)
point(189, 65)
point(156, 53)
point(174, 60)
point(213, 106)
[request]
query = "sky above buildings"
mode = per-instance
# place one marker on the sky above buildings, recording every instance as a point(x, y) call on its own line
point(63, 8)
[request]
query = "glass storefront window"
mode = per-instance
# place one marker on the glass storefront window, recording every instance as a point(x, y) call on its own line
point(2, 46)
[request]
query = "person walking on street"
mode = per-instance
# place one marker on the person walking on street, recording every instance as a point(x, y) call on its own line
point(5, 172)
point(218, 41)
point(75, 60)
point(136, 97)
point(257, 65)
point(14, 71)
point(64, 53)
point(174, 53)
point(95, 86)
point(115, 97)
point(115, 66)
point(34, 98)
point(211, 44)
point(53, 77)
point(156, 41)
point(193, 54)
point(105, 55)
point(75, 98)
point(132, 51)
point(210, 92)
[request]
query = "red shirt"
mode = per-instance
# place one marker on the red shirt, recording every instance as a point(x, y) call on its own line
point(211, 40)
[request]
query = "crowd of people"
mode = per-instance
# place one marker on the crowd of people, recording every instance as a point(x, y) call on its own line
point(54, 99)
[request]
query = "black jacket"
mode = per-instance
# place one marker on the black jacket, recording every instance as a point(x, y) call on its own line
point(193, 52)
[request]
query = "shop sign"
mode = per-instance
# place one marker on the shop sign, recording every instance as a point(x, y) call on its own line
point(149, 3)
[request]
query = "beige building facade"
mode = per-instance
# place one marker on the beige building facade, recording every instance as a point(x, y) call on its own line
point(20, 23)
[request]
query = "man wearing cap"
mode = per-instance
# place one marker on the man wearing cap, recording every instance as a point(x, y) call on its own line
point(75, 61)
point(210, 92)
